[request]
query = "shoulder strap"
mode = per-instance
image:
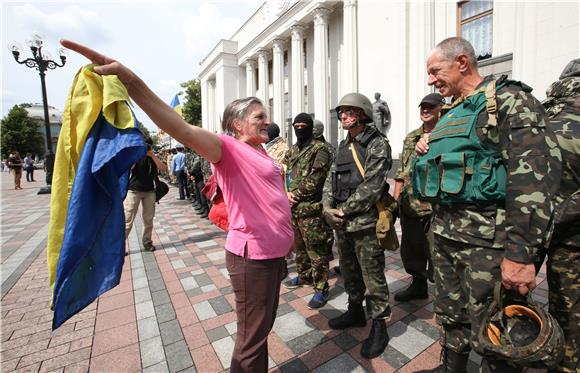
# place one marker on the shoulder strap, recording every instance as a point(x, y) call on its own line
point(491, 103)
point(358, 164)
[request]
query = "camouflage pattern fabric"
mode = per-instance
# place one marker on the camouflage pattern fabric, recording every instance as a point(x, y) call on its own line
point(205, 169)
point(308, 168)
point(410, 205)
point(312, 252)
point(362, 259)
point(564, 293)
point(465, 276)
point(277, 149)
point(563, 108)
point(362, 264)
point(329, 147)
point(533, 163)
point(467, 264)
point(360, 208)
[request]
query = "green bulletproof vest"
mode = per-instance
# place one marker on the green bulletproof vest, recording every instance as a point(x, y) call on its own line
point(458, 168)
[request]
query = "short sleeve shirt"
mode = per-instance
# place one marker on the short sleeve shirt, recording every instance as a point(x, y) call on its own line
point(258, 208)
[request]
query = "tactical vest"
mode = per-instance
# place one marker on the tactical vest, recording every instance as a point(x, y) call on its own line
point(347, 177)
point(458, 168)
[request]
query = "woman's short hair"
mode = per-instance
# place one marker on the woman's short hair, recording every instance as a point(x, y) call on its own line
point(237, 109)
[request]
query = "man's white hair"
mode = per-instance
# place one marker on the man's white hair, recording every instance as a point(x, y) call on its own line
point(452, 47)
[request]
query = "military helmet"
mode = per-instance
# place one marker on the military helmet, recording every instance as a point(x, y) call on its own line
point(318, 129)
point(516, 329)
point(360, 101)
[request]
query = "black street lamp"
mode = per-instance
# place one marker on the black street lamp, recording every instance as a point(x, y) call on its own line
point(41, 61)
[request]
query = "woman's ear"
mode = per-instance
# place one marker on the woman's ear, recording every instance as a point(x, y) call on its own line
point(237, 124)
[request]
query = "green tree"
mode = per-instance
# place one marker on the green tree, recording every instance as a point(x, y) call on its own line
point(192, 107)
point(20, 133)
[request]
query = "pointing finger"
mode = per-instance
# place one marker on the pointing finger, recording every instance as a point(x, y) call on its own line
point(89, 53)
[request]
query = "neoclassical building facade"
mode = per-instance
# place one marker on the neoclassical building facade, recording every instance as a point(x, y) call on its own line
point(303, 56)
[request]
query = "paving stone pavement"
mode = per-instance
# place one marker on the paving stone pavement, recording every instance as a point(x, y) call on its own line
point(174, 308)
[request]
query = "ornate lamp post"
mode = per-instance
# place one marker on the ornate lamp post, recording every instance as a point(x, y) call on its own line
point(41, 61)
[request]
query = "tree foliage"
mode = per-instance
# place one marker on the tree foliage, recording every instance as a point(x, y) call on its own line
point(192, 106)
point(20, 133)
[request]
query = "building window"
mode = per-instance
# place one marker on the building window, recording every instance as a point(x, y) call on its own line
point(285, 64)
point(475, 21)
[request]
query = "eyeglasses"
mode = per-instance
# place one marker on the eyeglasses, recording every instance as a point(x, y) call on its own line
point(347, 112)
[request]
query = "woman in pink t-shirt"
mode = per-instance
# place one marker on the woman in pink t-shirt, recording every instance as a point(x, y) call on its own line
point(260, 232)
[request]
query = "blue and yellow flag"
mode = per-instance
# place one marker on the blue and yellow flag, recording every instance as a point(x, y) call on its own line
point(176, 105)
point(99, 142)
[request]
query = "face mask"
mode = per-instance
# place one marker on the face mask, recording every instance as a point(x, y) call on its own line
point(303, 134)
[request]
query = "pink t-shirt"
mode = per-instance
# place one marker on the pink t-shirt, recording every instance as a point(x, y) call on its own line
point(258, 208)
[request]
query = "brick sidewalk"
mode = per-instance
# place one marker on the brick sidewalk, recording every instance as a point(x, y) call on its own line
point(173, 310)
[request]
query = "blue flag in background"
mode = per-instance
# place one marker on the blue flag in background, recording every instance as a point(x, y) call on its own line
point(93, 247)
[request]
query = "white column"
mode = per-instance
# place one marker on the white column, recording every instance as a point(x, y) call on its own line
point(321, 67)
point(278, 83)
point(204, 105)
point(263, 93)
point(350, 50)
point(297, 90)
point(211, 105)
point(250, 78)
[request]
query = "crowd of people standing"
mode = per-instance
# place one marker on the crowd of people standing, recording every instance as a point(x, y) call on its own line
point(483, 183)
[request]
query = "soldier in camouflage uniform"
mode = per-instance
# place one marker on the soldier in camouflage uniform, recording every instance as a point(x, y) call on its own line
point(563, 108)
point(507, 176)
point(308, 163)
point(318, 134)
point(349, 206)
point(276, 147)
point(415, 214)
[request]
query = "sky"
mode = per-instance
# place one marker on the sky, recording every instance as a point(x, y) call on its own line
point(162, 41)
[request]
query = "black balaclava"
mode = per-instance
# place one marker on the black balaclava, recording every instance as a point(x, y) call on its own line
point(303, 135)
point(273, 131)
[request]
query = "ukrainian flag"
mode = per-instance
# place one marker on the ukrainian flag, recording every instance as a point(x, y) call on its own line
point(99, 142)
point(176, 105)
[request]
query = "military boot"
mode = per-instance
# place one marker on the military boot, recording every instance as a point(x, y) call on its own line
point(417, 290)
point(455, 362)
point(377, 341)
point(354, 316)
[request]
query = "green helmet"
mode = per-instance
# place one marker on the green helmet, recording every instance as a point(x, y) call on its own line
point(360, 101)
point(517, 329)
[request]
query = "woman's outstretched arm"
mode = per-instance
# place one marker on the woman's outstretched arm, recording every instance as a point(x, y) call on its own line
point(203, 142)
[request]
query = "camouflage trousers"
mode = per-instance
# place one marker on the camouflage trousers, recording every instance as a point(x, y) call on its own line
point(362, 263)
point(465, 276)
point(312, 251)
point(564, 288)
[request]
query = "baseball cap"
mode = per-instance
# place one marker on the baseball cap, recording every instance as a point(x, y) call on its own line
point(433, 99)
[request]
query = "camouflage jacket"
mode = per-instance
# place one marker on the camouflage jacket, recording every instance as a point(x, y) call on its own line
point(329, 147)
point(409, 203)
point(563, 108)
point(360, 208)
point(205, 169)
point(277, 149)
point(528, 148)
point(308, 168)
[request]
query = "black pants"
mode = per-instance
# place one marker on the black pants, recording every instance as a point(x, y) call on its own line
point(416, 246)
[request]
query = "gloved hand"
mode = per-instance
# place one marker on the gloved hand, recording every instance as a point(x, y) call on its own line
point(334, 217)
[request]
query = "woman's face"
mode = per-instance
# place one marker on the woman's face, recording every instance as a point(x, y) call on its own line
point(253, 129)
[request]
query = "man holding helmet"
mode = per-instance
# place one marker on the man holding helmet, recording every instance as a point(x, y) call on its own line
point(349, 206)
